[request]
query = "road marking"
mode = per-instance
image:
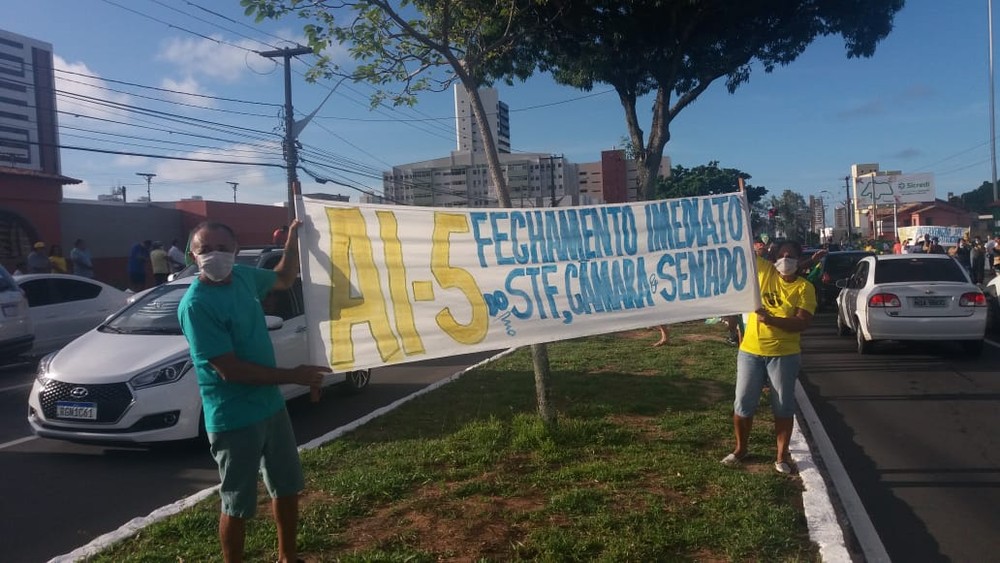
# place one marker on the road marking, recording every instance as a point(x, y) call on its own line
point(868, 538)
point(13, 387)
point(13, 443)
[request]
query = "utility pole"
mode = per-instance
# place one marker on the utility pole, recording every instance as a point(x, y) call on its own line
point(149, 180)
point(291, 152)
point(234, 184)
point(850, 216)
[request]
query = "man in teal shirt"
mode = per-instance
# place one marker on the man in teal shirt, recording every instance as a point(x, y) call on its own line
point(248, 427)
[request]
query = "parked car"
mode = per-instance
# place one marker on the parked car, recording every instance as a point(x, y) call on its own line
point(835, 266)
point(131, 378)
point(16, 331)
point(924, 297)
point(62, 307)
point(266, 257)
point(992, 292)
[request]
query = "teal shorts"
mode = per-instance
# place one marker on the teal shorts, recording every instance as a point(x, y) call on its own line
point(267, 447)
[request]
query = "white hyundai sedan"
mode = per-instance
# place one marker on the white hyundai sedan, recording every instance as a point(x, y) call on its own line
point(924, 297)
point(130, 380)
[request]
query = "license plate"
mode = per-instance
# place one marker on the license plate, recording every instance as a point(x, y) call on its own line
point(930, 301)
point(78, 411)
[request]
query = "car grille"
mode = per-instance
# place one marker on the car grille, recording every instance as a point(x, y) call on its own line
point(112, 399)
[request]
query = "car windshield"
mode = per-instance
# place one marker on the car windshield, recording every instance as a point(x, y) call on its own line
point(7, 283)
point(247, 259)
point(842, 263)
point(153, 313)
point(918, 270)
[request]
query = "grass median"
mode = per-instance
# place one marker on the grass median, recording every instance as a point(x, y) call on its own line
point(469, 473)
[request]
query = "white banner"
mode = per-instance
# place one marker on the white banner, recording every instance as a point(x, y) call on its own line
point(389, 284)
point(895, 188)
point(947, 236)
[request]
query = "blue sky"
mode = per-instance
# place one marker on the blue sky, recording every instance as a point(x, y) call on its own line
point(921, 104)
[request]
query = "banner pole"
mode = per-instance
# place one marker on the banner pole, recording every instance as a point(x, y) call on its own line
point(300, 214)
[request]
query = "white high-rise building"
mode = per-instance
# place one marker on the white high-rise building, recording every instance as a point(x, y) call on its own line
point(463, 180)
point(29, 135)
point(466, 128)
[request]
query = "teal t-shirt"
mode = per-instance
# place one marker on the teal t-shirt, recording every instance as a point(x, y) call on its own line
point(217, 320)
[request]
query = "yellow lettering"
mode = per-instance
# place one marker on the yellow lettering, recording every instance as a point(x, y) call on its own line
point(451, 277)
point(349, 239)
point(401, 306)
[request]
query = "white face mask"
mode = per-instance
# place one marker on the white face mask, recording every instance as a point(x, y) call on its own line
point(786, 266)
point(216, 265)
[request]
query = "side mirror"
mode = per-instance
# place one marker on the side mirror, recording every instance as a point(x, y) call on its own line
point(842, 284)
point(274, 322)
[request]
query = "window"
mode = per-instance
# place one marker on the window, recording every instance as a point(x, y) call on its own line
point(918, 270)
point(75, 290)
point(284, 303)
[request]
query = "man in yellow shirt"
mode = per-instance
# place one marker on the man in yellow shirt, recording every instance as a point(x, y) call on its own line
point(770, 353)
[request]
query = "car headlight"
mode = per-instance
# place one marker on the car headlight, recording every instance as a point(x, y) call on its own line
point(161, 375)
point(43, 365)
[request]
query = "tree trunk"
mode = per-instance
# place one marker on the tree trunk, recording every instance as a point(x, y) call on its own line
point(539, 352)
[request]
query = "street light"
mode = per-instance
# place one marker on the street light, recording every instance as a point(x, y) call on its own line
point(149, 179)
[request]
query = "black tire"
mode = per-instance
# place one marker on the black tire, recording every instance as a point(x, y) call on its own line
point(842, 328)
point(357, 380)
point(864, 346)
point(973, 348)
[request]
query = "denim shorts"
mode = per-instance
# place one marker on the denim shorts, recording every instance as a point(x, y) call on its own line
point(267, 447)
point(779, 372)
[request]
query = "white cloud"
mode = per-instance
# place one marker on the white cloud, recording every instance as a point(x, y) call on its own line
point(178, 179)
point(129, 161)
point(181, 90)
point(210, 59)
point(82, 190)
point(81, 94)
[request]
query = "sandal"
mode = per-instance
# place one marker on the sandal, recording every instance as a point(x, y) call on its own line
point(733, 460)
point(783, 467)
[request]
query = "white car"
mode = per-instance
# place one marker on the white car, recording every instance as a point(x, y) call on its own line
point(130, 380)
point(16, 331)
point(62, 307)
point(926, 297)
point(992, 292)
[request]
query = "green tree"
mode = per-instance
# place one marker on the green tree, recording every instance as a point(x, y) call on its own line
point(407, 47)
point(706, 180)
point(979, 199)
point(676, 49)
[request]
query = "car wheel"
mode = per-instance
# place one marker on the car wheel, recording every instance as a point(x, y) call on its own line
point(973, 348)
point(842, 328)
point(358, 379)
point(864, 346)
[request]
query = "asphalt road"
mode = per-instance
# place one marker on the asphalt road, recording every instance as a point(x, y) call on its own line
point(918, 430)
point(57, 496)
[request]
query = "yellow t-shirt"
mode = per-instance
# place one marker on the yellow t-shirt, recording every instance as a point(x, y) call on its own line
point(781, 299)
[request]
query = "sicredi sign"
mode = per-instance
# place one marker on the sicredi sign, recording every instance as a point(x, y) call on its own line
point(898, 188)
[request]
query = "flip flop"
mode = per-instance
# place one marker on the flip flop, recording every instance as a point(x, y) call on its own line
point(783, 467)
point(734, 460)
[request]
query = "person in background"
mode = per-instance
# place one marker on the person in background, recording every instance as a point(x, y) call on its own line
point(991, 248)
point(159, 263)
point(80, 259)
point(935, 247)
point(138, 256)
point(20, 269)
point(245, 415)
point(38, 262)
point(279, 236)
point(770, 353)
point(897, 247)
point(176, 257)
point(57, 260)
point(977, 261)
point(963, 253)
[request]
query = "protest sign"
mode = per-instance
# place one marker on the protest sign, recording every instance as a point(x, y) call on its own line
point(390, 284)
point(947, 236)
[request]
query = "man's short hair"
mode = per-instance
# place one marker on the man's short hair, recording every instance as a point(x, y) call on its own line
point(212, 226)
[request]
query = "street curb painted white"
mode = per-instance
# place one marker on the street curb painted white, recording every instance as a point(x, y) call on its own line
point(822, 520)
point(135, 525)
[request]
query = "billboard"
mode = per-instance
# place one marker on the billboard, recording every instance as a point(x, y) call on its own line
point(895, 188)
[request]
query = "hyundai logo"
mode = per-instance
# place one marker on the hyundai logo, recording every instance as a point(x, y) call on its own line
point(78, 392)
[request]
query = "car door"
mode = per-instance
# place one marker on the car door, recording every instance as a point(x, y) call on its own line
point(64, 308)
point(850, 295)
point(289, 341)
